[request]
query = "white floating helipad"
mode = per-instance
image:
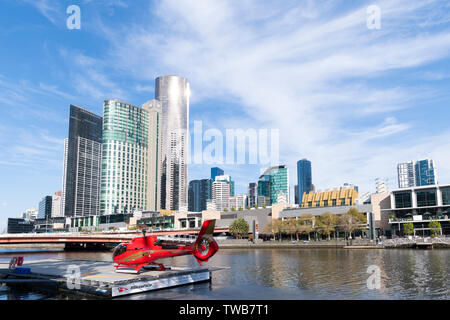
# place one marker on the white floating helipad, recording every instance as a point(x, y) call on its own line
point(98, 278)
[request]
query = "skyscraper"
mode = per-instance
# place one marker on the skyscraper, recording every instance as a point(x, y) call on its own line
point(130, 162)
point(221, 194)
point(82, 164)
point(226, 178)
point(216, 172)
point(45, 208)
point(173, 92)
point(274, 184)
point(56, 205)
point(304, 178)
point(200, 192)
point(425, 172)
point(406, 176)
point(252, 194)
point(154, 110)
point(418, 173)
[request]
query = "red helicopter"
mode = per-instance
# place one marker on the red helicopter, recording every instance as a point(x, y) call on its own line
point(142, 251)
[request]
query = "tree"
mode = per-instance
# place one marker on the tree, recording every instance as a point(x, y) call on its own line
point(408, 228)
point(239, 227)
point(435, 227)
point(289, 226)
point(306, 224)
point(327, 223)
point(352, 220)
point(273, 228)
point(360, 217)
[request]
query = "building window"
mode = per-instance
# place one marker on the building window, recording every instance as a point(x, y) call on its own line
point(445, 196)
point(333, 202)
point(426, 198)
point(403, 200)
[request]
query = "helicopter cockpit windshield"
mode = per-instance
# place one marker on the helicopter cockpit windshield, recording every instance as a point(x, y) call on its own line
point(120, 249)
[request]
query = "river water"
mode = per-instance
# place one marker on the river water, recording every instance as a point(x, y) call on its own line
point(288, 274)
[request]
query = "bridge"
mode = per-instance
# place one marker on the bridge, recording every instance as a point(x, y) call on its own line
point(92, 239)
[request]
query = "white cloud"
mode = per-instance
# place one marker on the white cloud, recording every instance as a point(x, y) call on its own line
point(312, 69)
point(309, 76)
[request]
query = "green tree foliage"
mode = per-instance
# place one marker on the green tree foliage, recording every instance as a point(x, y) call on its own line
point(289, 226)
point(239, 227)
point(306, 223)
point(273, 228)
point(326, 224)
point(435, 227)
point(408, 228)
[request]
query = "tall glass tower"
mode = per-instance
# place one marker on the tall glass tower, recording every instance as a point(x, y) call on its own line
point(216, 172)
point(200, 192)
point(425, 172)
point(304, 178)
point(274, 184)
point(130, 157)
point(173, 92)
point(82, 164)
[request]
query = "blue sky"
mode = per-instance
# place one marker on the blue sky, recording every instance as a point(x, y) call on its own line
point(352, 100)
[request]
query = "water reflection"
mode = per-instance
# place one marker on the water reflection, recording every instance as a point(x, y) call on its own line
point(304, 274)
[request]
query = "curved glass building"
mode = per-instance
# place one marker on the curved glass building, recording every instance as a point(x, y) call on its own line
point(173, 92)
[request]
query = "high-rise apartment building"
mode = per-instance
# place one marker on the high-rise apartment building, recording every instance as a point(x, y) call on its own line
point(82, 164)
point(406, 176)
point(154, 110)
point(304, 178)
point(130, 162)
point(173, 92)
point(57, 205)
point(221, 194)
point(418, 173)
point(227, 178)
point(200, 192)
point(238, 202)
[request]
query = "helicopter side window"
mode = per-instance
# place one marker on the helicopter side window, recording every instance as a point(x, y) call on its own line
point(120, 249)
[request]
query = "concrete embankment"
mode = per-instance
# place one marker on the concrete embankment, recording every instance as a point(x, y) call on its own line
point(243, 244)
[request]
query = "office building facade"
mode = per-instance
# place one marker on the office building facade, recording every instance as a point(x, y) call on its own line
point(200, 192)
point(274, 184)
point(416, 174)
point(304, 178)
point(45, 208)
point(216, 172)
point(82, 164)
point(252, 194)
point(425, 172)
point(173, 92)
point(129, 180)
point(344, 196)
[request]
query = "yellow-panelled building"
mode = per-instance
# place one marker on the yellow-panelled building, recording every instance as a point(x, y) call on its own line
point(336, 197)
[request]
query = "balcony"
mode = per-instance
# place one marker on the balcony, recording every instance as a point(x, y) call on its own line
point(420, 218)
